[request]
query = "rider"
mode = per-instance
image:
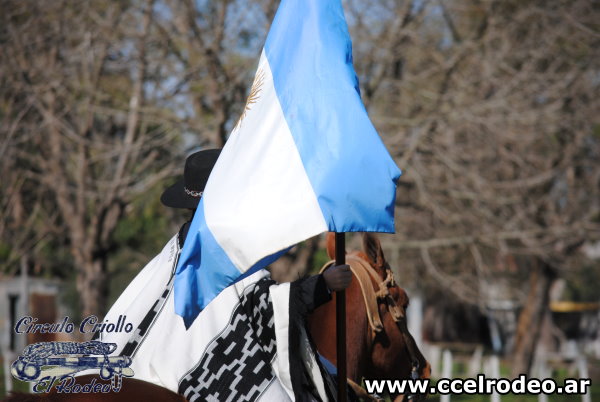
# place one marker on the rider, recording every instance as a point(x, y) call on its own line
point(148, 303)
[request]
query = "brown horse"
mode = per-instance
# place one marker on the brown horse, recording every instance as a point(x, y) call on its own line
point(382, 348)
point(386, 353)
point(132, 390)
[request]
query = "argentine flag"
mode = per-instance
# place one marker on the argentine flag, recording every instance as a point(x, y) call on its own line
point(303, 158)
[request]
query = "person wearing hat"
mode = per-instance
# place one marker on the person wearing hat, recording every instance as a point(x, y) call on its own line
point(186, 192)
point(147, 302)
point(147, 294)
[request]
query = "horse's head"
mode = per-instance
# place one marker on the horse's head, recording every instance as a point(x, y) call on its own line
point(395, 354)
point(372, 253)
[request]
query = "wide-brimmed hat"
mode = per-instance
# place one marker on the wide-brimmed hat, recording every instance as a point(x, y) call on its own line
point(186, 192)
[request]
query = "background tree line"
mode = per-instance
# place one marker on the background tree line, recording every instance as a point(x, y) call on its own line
point(489, 107)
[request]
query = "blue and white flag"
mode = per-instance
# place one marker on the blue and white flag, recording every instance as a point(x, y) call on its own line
point(304, 158)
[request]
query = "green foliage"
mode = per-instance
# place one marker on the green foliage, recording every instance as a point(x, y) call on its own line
point(582, 283)
point(140, 235)
point(4, 251)
point(319, 259)
point(70, 297)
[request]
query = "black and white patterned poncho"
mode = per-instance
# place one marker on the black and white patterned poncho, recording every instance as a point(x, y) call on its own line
point(248, 344)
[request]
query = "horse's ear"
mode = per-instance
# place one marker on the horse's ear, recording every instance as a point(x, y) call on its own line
point(372, 248)
point(330, 238)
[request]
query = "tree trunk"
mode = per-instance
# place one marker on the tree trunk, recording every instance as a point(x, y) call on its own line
point(92, 287)
point(531, 318)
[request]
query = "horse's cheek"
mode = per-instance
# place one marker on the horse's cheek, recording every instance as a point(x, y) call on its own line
point(389, 355)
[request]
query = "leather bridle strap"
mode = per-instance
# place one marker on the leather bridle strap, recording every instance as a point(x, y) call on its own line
point(414, 354)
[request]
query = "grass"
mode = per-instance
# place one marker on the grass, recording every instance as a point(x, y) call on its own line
point(559, 374)
point(595, 396)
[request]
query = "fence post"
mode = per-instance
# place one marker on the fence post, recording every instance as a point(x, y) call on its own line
point(493, 371)
point(6, 362)
point(434, 353)
point(583, 372)
point(542, 372)
point(446, 371)
point(475, 362)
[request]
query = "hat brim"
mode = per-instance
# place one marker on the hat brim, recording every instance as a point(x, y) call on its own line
point(176, 197)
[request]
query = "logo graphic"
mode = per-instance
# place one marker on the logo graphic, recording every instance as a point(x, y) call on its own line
point(46, 362)
point(259, 79)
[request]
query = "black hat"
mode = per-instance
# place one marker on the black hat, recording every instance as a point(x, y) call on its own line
point(186, 192)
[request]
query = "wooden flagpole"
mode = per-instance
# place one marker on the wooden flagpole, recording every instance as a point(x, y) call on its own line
point(340, 317)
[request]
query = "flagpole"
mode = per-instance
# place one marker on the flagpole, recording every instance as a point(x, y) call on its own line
point(340, 316)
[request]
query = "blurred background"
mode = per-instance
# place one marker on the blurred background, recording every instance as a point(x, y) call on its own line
point(490, 108)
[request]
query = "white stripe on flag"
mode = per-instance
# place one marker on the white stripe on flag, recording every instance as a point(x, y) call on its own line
point(274, 187)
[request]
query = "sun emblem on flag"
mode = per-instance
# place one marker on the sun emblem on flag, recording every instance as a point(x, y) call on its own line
point(259, 79)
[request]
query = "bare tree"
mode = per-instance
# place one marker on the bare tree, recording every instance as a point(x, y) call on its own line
point(101, 101)
point(213, 51)
point(490, 108)
point(83, 132)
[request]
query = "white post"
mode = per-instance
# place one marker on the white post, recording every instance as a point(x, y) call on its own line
point(582, 368)
point(23, 309)
point(434, 354)
point(446, 371)
point(542, 373)
point(596, 347)
point(415, 317)
point(7, 359)
point(494, 370)
point(475, 362)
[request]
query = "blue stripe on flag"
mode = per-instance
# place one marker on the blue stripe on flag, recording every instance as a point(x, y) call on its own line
point(204, 269)
point(310, 56)
point(194, 281)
